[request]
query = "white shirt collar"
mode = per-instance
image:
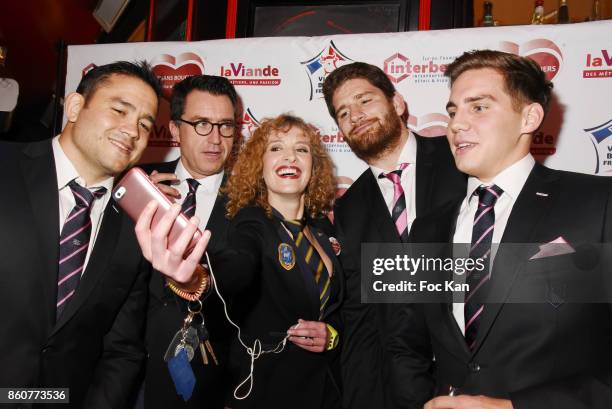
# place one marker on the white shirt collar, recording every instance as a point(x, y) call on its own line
point(407, 155)
point(66, 172)
point(511, 180)
point(207, 183)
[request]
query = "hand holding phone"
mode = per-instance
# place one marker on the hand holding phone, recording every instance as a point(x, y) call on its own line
point(135, 190)
point(173, 244)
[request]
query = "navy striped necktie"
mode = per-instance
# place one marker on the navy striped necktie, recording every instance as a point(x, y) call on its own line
point(189, 204)
point(309, 254)
point(74, 242)
point(479, 281)
point(399, 213)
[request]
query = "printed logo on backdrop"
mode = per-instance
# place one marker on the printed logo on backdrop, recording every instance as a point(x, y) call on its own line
point(321, 65)
point(241, 74)
point(248, 124)
point(542, 51)
point(171, 70)
point(333, 140)
point(424, 70)
point(543, 144)
point(601, 138)
point(598, 65)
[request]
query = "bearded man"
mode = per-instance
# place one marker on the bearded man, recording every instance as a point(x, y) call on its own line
point(407, 176)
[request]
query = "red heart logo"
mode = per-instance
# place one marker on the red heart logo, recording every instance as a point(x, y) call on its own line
point(171, 70)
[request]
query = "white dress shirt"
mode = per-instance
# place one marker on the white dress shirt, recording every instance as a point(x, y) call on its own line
point(408, 179)
point(66, 173)
point(205, 195)
point(511, 180)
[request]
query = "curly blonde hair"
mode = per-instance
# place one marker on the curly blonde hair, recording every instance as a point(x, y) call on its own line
point(246, 186)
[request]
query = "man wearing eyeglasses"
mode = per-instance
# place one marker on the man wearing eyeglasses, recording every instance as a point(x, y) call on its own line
point(203, 120)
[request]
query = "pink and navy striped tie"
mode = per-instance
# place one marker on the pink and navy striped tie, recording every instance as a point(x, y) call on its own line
point(399, 214)
point(478, 281)
point(74, 242)
point(189, 204)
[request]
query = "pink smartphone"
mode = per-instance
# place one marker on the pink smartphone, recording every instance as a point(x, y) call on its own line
point(135, 190)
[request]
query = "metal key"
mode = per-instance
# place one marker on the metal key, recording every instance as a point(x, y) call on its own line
point(205, 345)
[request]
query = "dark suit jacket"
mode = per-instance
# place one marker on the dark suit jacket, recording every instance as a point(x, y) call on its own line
point(268, 299)
point(165, 316)
point(539, 355)
point(361, 215)
point(96, 347)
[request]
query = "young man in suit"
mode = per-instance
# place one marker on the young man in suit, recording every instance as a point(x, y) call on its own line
point(72, 279)
point(204, 113)
point(503, 354)
point(407, 175)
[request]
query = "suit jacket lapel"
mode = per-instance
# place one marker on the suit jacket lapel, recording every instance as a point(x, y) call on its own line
point(337, 281)
point(98, 261)
point(38, 167)
point(305, 279)
point(527, 213)
point(425, 177)
point(380, 212)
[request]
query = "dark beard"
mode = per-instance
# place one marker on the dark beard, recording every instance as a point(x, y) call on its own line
point(378, 140)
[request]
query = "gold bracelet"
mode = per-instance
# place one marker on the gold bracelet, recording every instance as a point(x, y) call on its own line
point(334, 338)
point(189, 295)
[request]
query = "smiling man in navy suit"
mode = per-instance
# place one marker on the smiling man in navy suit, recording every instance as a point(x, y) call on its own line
point(523, 355)
point(72, 279)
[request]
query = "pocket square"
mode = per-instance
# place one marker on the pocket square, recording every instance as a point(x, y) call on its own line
point(557, 247)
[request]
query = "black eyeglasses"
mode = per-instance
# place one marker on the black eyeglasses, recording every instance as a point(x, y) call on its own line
point(226, 129)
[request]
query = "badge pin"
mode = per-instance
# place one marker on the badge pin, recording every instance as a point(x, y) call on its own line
point(286, 257)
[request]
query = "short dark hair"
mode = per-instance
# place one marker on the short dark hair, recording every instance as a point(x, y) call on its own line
point(368, 72)
point(524, 80)
point(99, 75)
point(212, 84)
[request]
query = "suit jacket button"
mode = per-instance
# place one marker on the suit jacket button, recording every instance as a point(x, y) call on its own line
point(474, 367)
point(45, 350)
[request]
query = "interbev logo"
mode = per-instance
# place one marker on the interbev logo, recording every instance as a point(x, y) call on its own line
point(170, 69)
point(428, 69)
point(598, 65)
point(541, 50)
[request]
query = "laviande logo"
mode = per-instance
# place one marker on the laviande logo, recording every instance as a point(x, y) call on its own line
point(248, 124)
point(170, 69)
point(321, 65)
point(600, 136)
point(598, 65)
point(241, 74)
point(541, 50)
point(428, 69)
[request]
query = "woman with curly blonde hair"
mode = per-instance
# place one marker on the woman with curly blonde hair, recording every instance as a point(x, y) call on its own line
point(247, 186)
point(278, 267)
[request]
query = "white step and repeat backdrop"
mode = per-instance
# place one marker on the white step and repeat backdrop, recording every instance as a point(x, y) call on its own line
point(276, 75)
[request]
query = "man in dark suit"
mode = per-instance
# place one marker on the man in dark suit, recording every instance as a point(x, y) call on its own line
point(407, 176)
point(72, 278)
point(501, 347)
point(204, 112)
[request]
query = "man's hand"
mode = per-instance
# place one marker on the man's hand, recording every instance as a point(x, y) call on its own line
point(468, 402)
point(309, 335)
point(168, 258)
point(169, 191)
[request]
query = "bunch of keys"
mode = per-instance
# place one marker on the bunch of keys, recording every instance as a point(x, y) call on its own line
point(193, 335)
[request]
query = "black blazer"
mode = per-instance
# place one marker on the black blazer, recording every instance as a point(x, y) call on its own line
point(267, 300)
point(551, 354)
point(96, 347)
point(165, 315)
point(361, 216)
